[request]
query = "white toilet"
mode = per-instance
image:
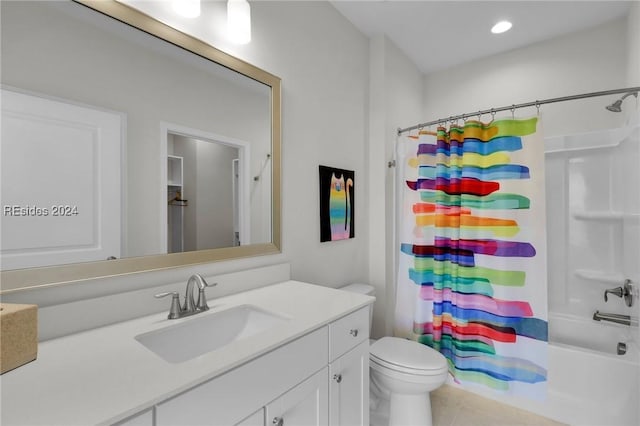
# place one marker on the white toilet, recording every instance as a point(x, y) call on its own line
point(402, 374)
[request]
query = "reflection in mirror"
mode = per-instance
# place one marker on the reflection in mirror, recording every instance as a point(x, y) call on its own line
point(198, 167)
point(96, 96)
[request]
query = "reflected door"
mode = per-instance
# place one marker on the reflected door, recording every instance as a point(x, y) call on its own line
point(60, 182)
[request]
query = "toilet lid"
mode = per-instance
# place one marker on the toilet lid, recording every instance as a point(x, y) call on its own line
point(406, 354)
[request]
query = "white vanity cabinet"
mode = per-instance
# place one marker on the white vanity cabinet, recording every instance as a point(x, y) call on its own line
point(321, 378)
point(283, 373)
point(230, 398)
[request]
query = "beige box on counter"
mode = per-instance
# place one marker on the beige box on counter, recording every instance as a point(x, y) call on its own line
point(18, 335)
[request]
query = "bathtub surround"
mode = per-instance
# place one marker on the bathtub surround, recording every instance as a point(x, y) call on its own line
point(595, 187)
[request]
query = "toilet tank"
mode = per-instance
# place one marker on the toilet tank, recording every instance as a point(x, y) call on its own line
point(367, 289)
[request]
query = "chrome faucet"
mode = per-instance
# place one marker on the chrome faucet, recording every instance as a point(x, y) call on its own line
point(190, 306)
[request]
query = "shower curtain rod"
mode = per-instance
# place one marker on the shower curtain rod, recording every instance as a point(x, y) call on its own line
point(513, 107)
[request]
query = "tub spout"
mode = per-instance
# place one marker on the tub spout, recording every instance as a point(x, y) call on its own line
point(617, 318)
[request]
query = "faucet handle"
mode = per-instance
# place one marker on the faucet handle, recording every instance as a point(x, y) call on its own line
point(615, 291)
point(625, 291)
point(174, 310)
point(201, 305)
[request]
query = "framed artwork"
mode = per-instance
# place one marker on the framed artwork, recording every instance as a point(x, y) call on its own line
point(336, 204)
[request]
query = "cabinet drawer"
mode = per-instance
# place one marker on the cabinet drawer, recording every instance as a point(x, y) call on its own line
point(347, 332)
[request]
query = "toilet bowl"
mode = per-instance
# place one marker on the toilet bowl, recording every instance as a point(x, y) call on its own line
point(402, 374)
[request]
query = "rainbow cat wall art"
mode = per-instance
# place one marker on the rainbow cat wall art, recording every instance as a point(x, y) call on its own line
point(336, 204)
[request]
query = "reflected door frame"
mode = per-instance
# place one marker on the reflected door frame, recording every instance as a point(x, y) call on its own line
point(244, 156)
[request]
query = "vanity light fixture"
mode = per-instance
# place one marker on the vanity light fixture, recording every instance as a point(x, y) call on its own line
point(187, 8)
point(501, 27)
point(239, 21)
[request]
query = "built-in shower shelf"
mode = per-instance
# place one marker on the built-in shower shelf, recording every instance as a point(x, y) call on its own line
point(600, 276)
point(598, 215)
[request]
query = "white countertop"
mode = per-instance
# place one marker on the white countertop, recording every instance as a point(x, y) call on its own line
point(104, 375)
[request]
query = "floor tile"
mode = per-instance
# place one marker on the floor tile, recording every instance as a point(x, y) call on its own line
point(456, 407)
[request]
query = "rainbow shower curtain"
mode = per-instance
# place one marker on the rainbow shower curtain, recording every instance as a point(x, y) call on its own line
point(472, 265)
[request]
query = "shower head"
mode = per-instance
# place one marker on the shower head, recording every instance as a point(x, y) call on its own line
point(617, 105)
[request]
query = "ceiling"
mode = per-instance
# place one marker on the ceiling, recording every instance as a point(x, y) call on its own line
point(440, 34)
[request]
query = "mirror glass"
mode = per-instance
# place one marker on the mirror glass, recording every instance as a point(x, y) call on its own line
point(127, 146)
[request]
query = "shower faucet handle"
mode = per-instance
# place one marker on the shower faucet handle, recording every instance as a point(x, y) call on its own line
point(618, 291)
point(625, 291)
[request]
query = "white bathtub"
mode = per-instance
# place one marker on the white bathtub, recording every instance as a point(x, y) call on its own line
point(592, 388)
point(599, 336)
point(588, 385)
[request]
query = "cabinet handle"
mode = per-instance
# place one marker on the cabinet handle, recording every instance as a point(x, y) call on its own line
point(278, 421)
point(337, 377)
point(354, 332)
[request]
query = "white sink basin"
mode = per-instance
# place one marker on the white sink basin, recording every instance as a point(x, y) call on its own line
point(206, 332)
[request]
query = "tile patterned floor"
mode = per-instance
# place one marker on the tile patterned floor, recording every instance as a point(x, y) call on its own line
point(455, 407)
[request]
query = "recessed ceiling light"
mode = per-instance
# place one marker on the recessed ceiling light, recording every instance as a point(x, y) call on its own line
point(501, 27)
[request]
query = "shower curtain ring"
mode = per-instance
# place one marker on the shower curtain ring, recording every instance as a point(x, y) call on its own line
point(538, 106)
point(513, 111)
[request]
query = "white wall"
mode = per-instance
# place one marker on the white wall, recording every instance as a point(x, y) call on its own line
point(395, 89)
point(582, 62)
point(323, 62)
point(633, 45)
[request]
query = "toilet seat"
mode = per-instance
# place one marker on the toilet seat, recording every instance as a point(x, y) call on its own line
point(407, 356)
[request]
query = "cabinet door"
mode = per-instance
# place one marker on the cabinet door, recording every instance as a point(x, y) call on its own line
point(306, 404)
point(349, 388)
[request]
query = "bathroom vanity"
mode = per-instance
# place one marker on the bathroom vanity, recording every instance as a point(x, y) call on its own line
point(299, 355)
